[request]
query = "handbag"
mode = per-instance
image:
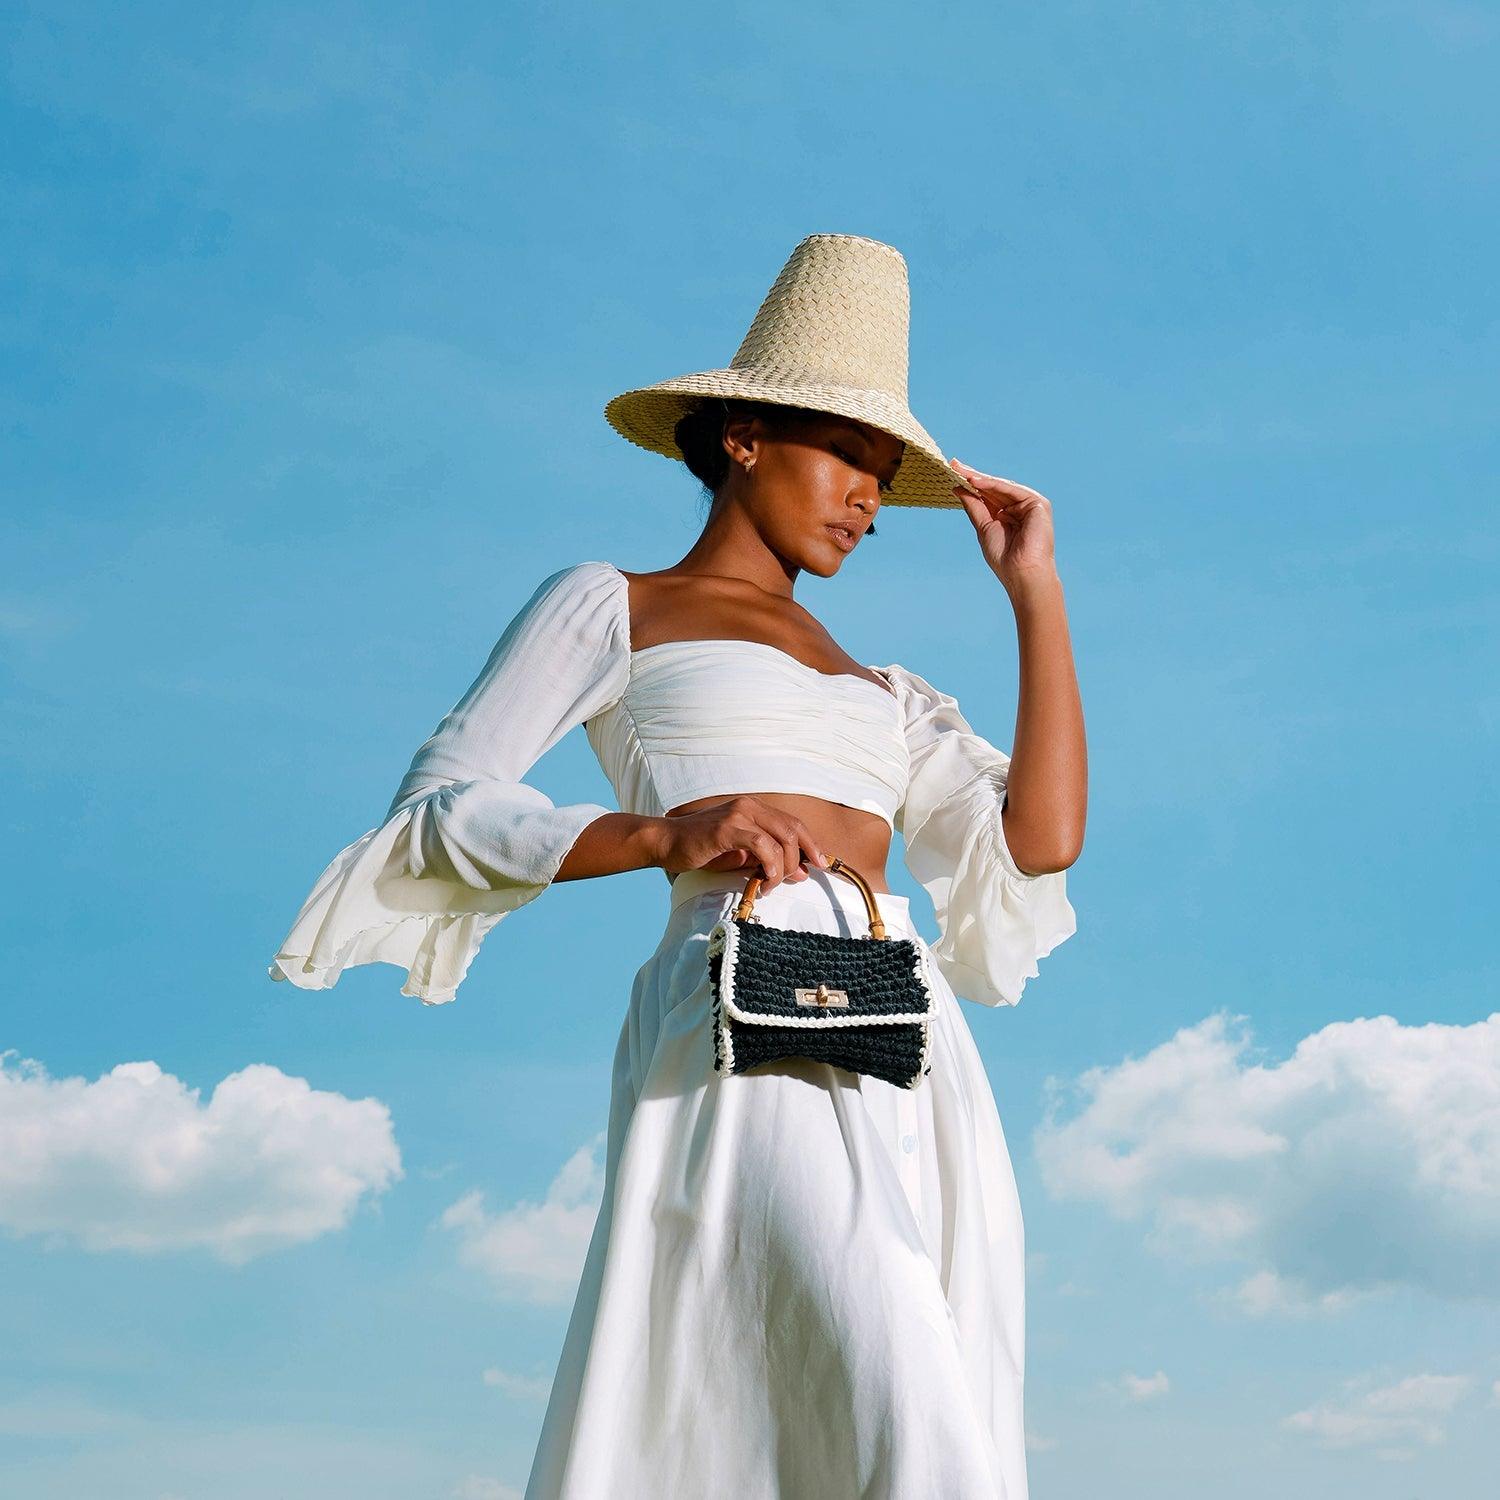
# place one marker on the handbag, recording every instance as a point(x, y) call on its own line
point(864, 1003)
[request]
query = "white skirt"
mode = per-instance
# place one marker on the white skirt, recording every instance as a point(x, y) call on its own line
point(803, 1281)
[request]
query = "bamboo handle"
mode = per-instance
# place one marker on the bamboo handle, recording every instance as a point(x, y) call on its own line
point(835, 866)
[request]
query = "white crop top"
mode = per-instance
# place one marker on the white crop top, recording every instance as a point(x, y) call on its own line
point(466, 840)
point(703, 716)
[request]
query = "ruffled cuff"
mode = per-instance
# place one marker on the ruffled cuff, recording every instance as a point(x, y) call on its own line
point(367, 907)
point(995, 921)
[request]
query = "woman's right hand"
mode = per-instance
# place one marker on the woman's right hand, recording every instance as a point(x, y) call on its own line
point(734, 834)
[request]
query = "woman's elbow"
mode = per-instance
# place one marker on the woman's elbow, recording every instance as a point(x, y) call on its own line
point(1043, 853)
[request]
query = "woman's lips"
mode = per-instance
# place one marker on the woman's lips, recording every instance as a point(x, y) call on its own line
point(843, 537)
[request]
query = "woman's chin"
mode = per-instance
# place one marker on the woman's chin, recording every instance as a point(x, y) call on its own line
point(830, 554)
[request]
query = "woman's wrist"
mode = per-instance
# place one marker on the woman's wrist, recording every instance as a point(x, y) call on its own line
point(1033, 588)
point(648, 842)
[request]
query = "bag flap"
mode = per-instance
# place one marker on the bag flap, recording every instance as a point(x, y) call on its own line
point(759, 971)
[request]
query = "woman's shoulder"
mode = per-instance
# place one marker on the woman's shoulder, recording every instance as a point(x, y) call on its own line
point(590, 573)
point(588, 585)
point(581, 601)
point(906, 682)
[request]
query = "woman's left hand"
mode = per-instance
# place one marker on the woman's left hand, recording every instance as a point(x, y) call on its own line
point(1014, 525)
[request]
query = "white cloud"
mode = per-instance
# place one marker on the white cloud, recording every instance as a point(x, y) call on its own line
point(1369, 1159)
point(1036, 1443)
point(1413, 1410)
point(1074, 1289)
point(534, 1252)
point(41, 1414)
point(475, 1487)
point(136, 1161)
point(1265, 1292)
point(526, 1387)
point(1144, 1387)
point(32, 619)
point(76, 1448)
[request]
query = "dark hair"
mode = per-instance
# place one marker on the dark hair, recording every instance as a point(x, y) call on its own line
point(700, 434)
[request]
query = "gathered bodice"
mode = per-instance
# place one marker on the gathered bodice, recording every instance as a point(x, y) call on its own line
point(697, 717)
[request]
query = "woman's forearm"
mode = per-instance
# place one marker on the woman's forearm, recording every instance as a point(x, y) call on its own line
point(1047, 790)
point(613, 844)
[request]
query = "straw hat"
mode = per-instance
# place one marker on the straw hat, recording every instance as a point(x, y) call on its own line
point(831, 334)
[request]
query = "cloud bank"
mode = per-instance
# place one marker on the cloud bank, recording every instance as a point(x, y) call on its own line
point(534, 1252)
point(136, 1161)
point(1367, 1160)
point(1387, 1418)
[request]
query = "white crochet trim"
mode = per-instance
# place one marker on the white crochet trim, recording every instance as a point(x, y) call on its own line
point(924, 978)
point(724, 939)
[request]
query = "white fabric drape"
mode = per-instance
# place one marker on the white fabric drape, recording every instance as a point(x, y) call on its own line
point(994, 920)
point(803, 1282)
point(466, 840)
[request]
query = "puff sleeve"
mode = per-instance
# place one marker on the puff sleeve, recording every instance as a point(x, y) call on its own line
point(465, 840)
point(995, 921)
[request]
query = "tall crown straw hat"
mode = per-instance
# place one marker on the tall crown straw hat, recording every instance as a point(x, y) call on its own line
point(832, 335)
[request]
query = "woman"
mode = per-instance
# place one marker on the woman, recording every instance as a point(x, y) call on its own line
point(803, 1281)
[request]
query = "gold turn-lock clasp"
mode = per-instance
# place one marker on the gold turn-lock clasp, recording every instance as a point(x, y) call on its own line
point(823, 996)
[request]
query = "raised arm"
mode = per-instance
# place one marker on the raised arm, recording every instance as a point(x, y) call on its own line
point(1046, 803)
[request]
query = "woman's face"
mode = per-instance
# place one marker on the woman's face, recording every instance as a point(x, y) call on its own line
point(813, 479)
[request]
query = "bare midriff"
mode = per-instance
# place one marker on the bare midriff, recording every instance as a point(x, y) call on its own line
point(859, 838)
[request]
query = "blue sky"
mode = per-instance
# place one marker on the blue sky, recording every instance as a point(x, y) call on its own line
point(310, 316)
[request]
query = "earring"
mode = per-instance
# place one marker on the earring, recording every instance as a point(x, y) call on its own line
point(749, 464)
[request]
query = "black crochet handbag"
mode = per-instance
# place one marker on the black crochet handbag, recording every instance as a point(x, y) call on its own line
point(863, 1003)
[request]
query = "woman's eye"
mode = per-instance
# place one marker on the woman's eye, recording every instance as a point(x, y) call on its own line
point(848, 458)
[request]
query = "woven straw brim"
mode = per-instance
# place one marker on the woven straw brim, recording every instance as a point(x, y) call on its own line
point(649, 415)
